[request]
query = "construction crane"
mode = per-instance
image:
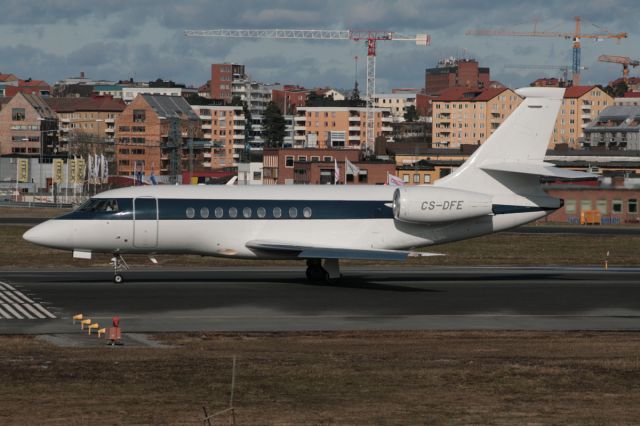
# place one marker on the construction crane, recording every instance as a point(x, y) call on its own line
point(564, 68)
point(370, 37)
point(624, 60)
point(575, 36)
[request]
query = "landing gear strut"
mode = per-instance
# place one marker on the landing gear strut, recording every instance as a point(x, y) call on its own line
point(119, 265)
point(327, 271)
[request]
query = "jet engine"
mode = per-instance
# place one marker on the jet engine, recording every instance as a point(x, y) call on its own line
point(432, 204)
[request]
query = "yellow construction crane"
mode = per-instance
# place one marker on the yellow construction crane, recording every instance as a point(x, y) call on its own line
point(574, 36)
point(624, 60)
point(369, 37)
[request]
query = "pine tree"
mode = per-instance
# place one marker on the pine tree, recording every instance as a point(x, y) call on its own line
point(273, 126)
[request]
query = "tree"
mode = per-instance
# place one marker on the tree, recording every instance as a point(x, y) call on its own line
point(411, 114)
point(273, 126)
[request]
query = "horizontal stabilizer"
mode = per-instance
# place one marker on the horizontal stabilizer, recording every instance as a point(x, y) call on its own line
point(307, 252)
point(539, 169)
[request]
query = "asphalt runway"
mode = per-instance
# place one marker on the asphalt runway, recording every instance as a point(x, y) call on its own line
point(279, 299)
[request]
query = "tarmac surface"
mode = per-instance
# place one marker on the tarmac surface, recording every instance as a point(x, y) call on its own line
point(279, 299)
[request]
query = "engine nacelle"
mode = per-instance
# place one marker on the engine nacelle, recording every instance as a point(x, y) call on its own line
point(432, 204)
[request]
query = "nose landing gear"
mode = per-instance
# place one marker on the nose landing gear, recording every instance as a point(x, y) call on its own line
point(119, 265)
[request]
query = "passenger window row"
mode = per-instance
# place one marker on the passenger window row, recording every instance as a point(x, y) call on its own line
point(247, 212)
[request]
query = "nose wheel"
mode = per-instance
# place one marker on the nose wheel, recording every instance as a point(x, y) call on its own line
point(119, 265)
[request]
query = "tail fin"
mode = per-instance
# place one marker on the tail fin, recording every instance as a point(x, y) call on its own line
point(511, 161)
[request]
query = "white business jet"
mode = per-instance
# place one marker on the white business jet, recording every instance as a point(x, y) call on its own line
point(497, 188)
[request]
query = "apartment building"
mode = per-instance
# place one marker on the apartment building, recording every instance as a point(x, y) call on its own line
point(86, 120)
point(454, 72)
point(224, 126)
point(581, 105)
point(396, 102)
point(466, 116)
point(617, 127)
point(337, 127)
point(227, 81)
point(28, 126)
point(289, 98)
point(153, 134)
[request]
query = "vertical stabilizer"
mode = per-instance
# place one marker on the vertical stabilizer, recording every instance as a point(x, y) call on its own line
point(522, 139)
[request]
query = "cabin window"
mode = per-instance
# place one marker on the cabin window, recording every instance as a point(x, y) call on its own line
point(191, 212)
point(204, 212)
point(277, 212)
point(261, 212)
point(99, 205)
point(233, 212)
point(293, 212)
point(306, 212)
point(219, 212)
point(246, 212)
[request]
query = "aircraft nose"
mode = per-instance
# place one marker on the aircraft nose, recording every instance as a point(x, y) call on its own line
point(52, 233)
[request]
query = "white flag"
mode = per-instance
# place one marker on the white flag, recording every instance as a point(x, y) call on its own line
point(350, 168)
point(104, 167)
point(96, 168)
point(336, 178)
point(394, 180)
point(89, 168)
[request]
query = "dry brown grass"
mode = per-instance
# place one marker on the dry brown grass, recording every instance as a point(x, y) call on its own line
point(330, 378)
point(497, 249)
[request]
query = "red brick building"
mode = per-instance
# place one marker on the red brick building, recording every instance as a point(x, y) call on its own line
point(153, 131)
point(323, 172)
point(289, 98)
point(27, 126)
point(609, 201)
point(222, 77)
point(456, 73)
point(279, 164)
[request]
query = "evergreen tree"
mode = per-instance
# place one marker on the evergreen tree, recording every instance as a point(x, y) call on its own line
point(411, 114)
point(273, 126)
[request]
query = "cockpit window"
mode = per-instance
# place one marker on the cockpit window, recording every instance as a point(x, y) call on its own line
point(99, 205)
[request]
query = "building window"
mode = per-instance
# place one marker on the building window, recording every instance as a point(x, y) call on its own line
point(363, 176)
point(427, 178)
point(586, 205)
point(327, 159)
point(18, 114)
point(570, 206)
point(616, 206)
point(139, 115)
point(405, 178)
point(416, 178)
point(288, 161)
point(257, 176)
point(632, 205)
point(601, 206)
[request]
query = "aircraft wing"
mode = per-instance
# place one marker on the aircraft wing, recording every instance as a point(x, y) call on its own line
point(310, 252)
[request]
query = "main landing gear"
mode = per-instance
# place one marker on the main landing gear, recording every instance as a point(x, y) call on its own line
point(119, 265)
point(327, 271)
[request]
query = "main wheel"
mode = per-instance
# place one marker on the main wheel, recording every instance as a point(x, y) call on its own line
point(117, 278)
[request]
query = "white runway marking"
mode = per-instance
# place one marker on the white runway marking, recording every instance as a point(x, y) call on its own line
point(16, 305)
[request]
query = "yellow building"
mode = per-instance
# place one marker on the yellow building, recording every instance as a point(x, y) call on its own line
point(224, 127)
point(337, 127)
point(469, 116)
point(580, 106)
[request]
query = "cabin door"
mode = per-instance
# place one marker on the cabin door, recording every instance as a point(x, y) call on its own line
point(145, 222)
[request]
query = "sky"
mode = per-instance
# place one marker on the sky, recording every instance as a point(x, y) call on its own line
point(144, 39)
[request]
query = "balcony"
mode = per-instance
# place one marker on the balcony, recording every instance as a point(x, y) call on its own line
point(387, 128)
point(206, 127)
point(110, 130)
point(354, 128)
point(207, 155)
point(299, 128)
point(206, 164)
point(299, 137)
point(238, 146)
point(239, 137)
point(110, 120)
point(585, 116)
point(238, 127)
point(354, 137)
